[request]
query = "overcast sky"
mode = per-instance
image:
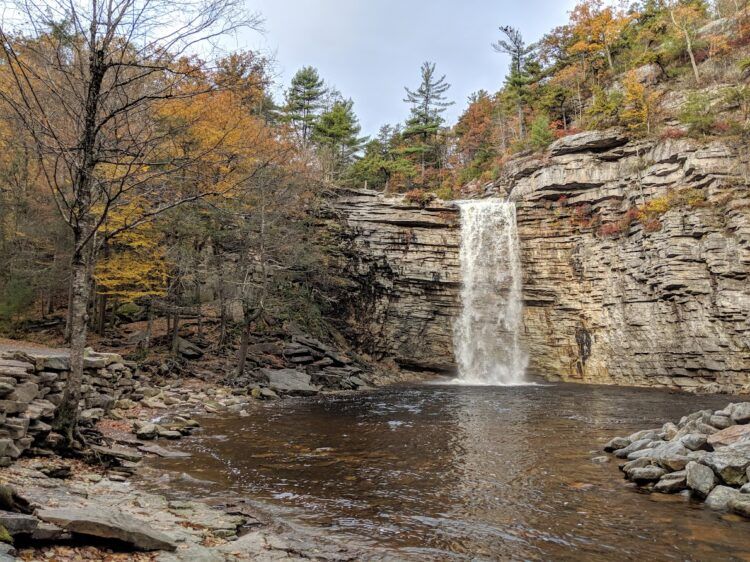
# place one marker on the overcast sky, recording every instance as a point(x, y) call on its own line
point(371, 49)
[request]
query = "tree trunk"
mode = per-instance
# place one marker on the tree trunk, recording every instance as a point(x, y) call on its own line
point(242, 353)
point(101, 321)
point(692, 58)
point(67, 413)
point(175, 332)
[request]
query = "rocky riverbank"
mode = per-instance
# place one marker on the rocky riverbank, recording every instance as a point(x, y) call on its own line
point(705, 455)
point(61, 509)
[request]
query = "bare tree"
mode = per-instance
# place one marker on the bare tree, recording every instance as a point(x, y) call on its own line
point(87, 76)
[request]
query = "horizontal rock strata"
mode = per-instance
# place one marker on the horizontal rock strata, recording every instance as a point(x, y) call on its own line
point(612, 296)
point(402, 260)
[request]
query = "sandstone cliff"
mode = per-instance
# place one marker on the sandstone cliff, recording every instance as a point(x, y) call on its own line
point(636, 259)
point(402, 259)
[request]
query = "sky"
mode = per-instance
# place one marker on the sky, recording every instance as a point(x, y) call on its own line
point(371, 49)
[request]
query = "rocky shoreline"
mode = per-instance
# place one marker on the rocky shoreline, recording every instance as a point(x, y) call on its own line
point(67, 509)
point(705, 455)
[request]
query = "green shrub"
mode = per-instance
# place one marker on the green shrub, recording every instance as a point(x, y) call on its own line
point(540, 135)
point(697, 114)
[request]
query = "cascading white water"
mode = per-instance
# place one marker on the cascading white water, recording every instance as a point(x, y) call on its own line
point(486, 335)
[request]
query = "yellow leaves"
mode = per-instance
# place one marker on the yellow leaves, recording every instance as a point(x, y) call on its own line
point(639, 105)
point(596, 27)
point(133, 264)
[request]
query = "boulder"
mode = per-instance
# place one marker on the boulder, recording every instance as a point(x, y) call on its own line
point(695, 441)
point(671, 455)
point(646, 474)
point(741, 413)
point(700, 478)
point(720, 497)
point(18, 523)
point(635, 446)
point(289, 381)
point(188, 350)
point(729, 436)
point(145, 430)
point(720, 421)
point(119, 453)
point(588, 141)
point(108, 523)
point(740, 504)
point(729, 464)
point(672, 483)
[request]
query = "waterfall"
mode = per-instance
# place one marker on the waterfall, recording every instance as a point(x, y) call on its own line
point(486, 335)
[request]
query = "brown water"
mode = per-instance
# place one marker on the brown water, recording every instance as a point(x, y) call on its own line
point(444, 473)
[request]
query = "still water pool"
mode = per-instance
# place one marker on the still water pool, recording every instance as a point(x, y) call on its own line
point(455, 473)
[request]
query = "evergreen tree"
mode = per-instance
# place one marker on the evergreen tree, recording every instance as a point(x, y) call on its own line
point(304, 100)
point(519, 77)
point(337, 134)
point(428, 103)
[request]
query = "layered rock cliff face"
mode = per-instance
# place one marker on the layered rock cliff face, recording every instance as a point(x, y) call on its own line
point(402, 259)
point(636, 260)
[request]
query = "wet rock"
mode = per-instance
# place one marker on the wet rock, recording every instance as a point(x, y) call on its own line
point(162, 452)
point(671, 455)
point(616, 444)
point(729, 464)
point(740, 504)
point(700, 478)
point(632, 465)
point(646, 474)
point(672, 483)
point(635, 446)
point(729, 436)
point(720, 497)
point(108, 523)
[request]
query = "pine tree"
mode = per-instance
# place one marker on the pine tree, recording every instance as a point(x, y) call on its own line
point(337, 134)
point(428, 103)
point(304, 100)
point(519, 77)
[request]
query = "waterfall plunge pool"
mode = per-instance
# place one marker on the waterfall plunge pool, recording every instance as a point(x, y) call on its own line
point(459, 472)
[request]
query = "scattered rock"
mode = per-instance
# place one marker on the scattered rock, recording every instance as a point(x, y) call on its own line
point(162, 452)
point(646, 474)
point(289, 381)
point(18, 523)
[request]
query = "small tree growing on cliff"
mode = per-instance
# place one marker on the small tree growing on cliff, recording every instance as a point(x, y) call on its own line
point(86, 76)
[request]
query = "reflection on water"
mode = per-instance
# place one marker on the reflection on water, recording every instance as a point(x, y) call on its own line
point(459, 472)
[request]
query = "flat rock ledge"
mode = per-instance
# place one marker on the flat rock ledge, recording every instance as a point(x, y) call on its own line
point(705, 455)
point(60, 517)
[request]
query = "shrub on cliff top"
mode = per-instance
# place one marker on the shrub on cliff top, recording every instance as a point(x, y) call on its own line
point(419, 196)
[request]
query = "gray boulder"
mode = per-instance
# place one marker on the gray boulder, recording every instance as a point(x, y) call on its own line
point(646, 474)
point(729, 464)
point(741, 413)
point(106, 523)
point(720, 421)
point(616, 444)
point(694, 441)
point(700, 478)
point(720, 497)
point(289, 381)
point(672, 482)
point(635, 446)
point(188, 350)
point(740, 504)
point(18, 523)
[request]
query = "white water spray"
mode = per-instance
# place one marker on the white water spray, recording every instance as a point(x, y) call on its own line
point(486, 335)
